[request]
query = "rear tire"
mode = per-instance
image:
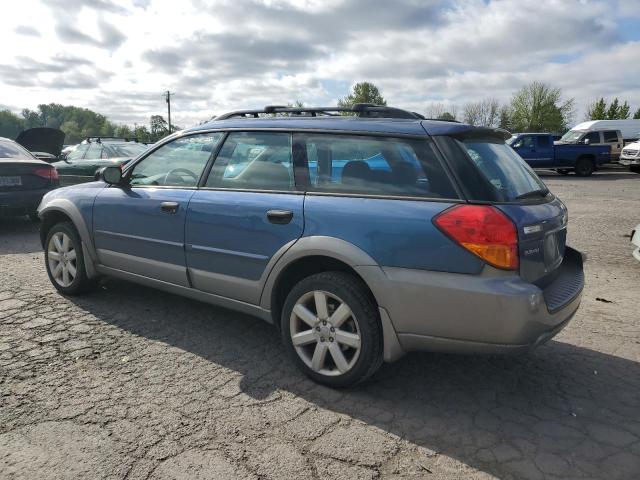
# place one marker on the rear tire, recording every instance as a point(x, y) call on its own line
point(64, 260)
point(584, 167)
point(335, 325)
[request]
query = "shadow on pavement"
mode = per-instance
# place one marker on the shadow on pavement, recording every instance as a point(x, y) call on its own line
point(564, 410)
point(19, 235)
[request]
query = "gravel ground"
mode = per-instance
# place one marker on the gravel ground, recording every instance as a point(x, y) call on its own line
point(128, 382)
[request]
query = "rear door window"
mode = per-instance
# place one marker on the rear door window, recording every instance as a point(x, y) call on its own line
point(371, 165)
point(611, 136)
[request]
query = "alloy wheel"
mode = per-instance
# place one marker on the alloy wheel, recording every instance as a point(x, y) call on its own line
point(325, 333)
point(61, 255)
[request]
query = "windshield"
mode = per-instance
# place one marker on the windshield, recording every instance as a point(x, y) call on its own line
point(124, 150)
point(572, 136)
point(505, 170)
point(13, 150)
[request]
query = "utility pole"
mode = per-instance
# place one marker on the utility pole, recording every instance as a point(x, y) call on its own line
point(168, 99)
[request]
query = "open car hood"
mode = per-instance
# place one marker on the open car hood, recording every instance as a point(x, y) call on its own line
point(42, 139)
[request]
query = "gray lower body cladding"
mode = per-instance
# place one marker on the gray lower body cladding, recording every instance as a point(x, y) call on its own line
point(494, 312)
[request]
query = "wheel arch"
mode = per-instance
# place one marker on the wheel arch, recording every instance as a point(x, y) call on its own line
point(311, 255)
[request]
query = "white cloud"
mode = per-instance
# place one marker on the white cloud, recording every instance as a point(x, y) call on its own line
point(219, 55)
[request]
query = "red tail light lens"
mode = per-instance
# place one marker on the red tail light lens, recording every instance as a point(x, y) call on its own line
point(483, 230)
point(48, 173)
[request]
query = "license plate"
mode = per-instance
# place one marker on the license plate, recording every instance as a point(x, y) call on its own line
point(10, 181)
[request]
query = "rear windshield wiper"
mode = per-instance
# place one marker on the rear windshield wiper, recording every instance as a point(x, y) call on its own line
point(543, 192)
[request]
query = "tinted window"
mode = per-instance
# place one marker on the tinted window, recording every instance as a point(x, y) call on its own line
point(373, 165)
point(115, 150)
point(254, 160)
point(593, 137)
point(611, 136)
point(505, 170)
point(527, 141)
point(178, 163)
point(13, 150)
point(543, 141)
point(78, 153)
point(94, 151)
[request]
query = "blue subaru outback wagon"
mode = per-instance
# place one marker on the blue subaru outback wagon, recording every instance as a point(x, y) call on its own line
point(359, 236)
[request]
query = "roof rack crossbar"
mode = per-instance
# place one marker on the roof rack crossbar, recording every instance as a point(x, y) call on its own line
point(365, 110)
point(99, 138)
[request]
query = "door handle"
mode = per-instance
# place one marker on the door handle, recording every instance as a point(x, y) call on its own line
point(280, 217)
point(169, 207)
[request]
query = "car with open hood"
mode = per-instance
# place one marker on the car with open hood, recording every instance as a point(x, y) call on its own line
point(81, 164)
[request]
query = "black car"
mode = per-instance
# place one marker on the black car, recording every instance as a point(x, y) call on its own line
point(23, 180)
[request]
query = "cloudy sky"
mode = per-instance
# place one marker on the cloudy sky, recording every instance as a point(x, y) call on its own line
point(117, 57)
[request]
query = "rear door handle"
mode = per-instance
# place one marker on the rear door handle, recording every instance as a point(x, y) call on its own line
point(169, 207)
point(280, 217)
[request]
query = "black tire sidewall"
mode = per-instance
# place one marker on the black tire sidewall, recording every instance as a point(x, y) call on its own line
point(351, 290)
point(586, 171)
point(80, 282)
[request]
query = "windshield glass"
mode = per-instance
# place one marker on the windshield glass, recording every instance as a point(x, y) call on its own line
point(124, 149)
point(13, 150)
point(505, 170)
point(572, 136)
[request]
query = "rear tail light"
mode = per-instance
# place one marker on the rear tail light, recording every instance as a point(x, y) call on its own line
point(483, 230)
point(48, 173)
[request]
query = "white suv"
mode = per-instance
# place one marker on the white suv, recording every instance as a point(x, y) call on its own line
point(631, 156)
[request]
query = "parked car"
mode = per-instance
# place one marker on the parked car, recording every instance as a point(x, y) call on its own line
point(23, 180)
point(631, 156)
point(431, 235)
point(81, 164)
point(635, 240)
point(539, 151)
point(615, 133)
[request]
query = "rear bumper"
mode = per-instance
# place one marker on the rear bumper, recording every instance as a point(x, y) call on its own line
point(21, 202)
point(494, 312)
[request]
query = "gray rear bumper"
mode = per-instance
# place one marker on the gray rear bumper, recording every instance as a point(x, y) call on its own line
point(494, 312)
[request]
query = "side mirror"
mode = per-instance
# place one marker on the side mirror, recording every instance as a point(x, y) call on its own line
point(518, 144)
point(586, 141)
point(111, 175)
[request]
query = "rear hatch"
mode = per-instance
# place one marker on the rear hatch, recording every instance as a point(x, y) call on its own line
point(492, 173)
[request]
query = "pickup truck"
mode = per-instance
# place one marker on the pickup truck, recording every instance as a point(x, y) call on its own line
point(539, 151)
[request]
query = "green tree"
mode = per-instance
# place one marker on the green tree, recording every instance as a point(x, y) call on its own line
point(504, 118)
point(363, 92)
point(597, 110)
point(636, 115)
point(10, 124)
point(538, 107)
point(624, 112)
point(158, 127)
point(614, 110)
point(446, 116)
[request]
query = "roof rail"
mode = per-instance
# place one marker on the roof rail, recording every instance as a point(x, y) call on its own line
point(364, 110)
point(98, 139)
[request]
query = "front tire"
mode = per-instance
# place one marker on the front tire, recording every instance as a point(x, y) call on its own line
point(64, 260)
point(331, 329)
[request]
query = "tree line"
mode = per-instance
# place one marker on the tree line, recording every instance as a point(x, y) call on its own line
point(80, 123)
point(536, 107)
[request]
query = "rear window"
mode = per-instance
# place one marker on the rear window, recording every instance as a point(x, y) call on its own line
point(373, 165)
point(13, 150)
point(123, 150)
point(506, 172)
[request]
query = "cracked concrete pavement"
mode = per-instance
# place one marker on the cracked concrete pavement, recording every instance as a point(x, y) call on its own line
point(127, 382)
